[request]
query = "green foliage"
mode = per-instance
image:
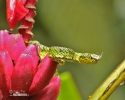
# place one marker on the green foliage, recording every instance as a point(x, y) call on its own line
point(68, 88)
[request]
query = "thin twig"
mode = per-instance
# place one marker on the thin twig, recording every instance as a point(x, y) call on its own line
point(110, 84)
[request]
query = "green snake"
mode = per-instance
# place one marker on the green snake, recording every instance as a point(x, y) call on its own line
point(62, 54)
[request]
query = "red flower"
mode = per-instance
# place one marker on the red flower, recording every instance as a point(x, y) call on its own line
point(15, 12)
point(24, 11)
point(22, 75)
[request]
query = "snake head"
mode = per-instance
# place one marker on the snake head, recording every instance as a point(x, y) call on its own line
point(89, 58)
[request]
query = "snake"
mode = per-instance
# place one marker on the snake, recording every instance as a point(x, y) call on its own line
point(62, 54)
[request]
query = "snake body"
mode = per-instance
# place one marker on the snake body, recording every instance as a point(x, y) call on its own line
point(62, 54)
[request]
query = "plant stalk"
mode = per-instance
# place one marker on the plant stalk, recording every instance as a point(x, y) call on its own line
point(110, 84)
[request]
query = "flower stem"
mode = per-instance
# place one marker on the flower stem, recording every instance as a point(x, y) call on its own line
point(110, 84)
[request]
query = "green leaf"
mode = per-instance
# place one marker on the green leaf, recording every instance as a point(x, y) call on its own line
point(68, 88)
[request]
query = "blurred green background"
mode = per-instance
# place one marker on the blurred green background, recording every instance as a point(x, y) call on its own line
point(93, 26)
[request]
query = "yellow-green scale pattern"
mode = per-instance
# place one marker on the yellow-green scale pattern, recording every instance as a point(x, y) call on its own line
point(62, 54)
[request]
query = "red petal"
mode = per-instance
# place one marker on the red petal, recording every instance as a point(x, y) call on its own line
point(3, 38)
point(1, 95)
point(15, 46)
point(23, 1)
point(6, 68)
point(32, 49)
point(24, 70)
point(43, 76)
point(50, 92)
point(31, 2)
point(15, 12)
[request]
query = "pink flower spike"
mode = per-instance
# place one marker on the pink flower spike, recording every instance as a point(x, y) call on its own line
point(43, 76)
point(22, 74)
point(3, 38)
point(24, 70)
point(15, 46)
point(50, 92)
point(15, 12)
point(6, 68)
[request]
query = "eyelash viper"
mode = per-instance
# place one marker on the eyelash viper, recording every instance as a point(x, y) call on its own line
point(62, 54)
